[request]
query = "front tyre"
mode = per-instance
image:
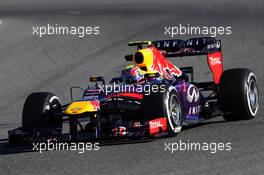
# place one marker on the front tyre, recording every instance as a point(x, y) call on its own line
point(238, 94)
point(174, 111)
point(37, 111)
point(165, 104)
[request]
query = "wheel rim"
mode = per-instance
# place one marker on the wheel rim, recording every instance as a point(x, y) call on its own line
point(53, 102)
point(175, 110)
point(252, 95)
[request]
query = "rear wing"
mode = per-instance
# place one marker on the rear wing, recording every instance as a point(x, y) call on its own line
point(190, 47)
point(209, 46)
point(195, 46)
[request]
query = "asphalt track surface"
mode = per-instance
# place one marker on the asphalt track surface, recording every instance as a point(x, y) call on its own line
point(55, 63)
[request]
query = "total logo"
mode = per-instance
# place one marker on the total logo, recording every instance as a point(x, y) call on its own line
point(155, 124)
point(192, 94)
point(215, 61)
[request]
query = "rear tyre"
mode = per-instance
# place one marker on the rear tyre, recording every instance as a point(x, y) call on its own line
point(165, 104)
point(238, 94)
point(37, 111)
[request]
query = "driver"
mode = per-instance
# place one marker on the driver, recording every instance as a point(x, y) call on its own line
point(132, 74)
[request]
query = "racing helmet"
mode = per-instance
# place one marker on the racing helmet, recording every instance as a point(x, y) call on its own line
point(132, 74)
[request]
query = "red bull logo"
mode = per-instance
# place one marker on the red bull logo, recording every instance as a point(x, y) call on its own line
point(164, 66)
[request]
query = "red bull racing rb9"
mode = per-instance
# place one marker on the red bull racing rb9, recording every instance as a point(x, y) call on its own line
point(151, 98)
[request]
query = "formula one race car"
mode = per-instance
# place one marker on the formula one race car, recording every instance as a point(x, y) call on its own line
point(151, 98)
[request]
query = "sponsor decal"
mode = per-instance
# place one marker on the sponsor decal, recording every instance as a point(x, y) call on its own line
point(91, 94)
point(196, 41)
point(192, 94)
point(121, 130)
point(157, 125)
point(194, 110)
point(170, 43)
point(164, 66)
point(96, 104)
point(216, 45)
point(136, 125)
point(215, 61)
point(90, 97)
